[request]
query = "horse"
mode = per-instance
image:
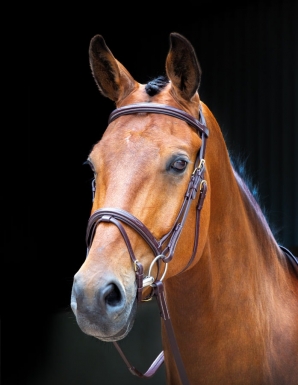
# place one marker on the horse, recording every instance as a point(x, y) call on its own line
point(173, 220)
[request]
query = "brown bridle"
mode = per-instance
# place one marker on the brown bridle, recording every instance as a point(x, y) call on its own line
point(164, 248)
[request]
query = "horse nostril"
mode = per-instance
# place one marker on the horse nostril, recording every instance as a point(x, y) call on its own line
point(112, 295)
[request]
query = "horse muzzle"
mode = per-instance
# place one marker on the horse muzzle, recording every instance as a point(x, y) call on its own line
point(105, 310)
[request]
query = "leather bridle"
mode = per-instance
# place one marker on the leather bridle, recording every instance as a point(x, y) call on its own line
point(164, 248)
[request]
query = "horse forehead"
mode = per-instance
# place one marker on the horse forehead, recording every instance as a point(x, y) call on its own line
point(148, 133)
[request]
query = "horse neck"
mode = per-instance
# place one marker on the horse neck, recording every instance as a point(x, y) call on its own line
point(230, 296)
point(240, 250)
point(239, 238)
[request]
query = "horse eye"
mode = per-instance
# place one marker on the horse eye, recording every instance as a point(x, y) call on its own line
point(179, 165)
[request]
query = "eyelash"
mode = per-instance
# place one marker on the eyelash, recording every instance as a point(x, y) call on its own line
point(93, 183)
point(89, 164)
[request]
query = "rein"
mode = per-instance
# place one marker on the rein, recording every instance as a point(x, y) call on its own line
point(164, 248)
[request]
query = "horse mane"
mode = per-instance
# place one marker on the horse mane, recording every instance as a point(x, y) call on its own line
point(154, 86)
point(239, 166)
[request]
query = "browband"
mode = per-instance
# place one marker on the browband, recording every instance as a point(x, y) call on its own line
point(157, 108)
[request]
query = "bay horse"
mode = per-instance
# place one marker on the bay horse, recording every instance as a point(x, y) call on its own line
point(172, 220)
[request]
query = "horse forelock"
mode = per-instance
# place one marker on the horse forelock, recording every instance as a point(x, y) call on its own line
point(153, 87)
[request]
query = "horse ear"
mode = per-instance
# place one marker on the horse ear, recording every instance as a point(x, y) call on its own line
point(111, 77)
point(182, 67)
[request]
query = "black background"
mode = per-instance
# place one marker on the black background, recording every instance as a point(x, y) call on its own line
point(50, 190)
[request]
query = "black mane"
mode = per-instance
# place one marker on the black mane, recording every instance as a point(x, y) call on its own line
point(239, 165)
point(156, 85)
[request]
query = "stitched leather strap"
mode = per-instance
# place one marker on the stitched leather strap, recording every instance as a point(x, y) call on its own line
point(160, 109)
point(112, 215)
point(164, 313)
point(107, 214)
point(152, 369)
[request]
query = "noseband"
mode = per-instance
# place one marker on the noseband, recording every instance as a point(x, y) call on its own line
point(164, 248)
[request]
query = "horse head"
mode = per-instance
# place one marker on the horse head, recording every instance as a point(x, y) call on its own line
point(142, 166)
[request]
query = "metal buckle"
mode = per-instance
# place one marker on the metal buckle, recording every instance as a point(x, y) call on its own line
point(200, 166)
point(203, 182)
